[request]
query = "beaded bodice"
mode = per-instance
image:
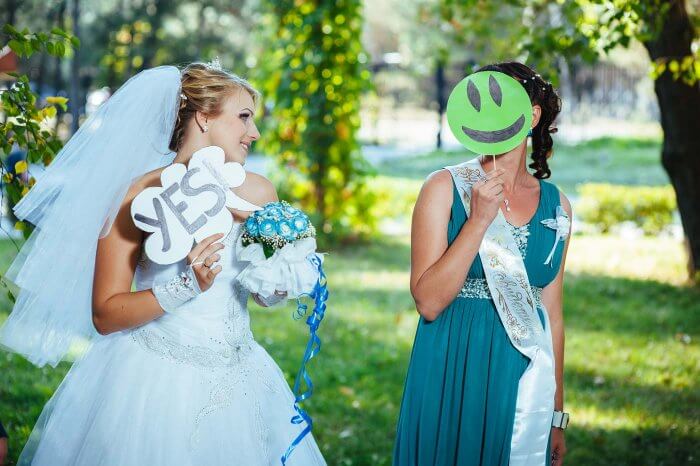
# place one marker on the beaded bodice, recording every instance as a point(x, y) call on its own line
point(210, 330)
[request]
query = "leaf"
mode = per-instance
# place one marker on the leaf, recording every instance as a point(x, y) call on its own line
point(10, 29)
point(16, 46)
point(59, 32)
point(56, 100)
point(60, 49)
point(49, 112)
point(21, 167)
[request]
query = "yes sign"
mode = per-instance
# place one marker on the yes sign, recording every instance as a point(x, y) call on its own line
point(191, 204)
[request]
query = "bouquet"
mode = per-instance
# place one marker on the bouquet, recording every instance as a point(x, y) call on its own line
point(279, 242)
point(275, 226)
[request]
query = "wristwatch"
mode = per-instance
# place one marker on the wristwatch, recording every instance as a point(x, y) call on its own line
point(560, 419)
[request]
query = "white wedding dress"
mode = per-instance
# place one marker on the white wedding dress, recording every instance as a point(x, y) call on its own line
point(191, 388)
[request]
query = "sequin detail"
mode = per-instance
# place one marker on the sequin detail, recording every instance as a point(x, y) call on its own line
point(239, 340)
point(479, 288)
point(520, 234)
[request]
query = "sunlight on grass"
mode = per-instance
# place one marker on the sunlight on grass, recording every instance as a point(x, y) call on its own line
point(632, 334)
point(646, 258)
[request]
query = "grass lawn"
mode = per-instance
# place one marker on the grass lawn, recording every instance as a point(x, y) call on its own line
point(618, 161)
point(632, 352)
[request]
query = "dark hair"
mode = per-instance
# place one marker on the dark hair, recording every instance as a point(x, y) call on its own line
point(542, 93)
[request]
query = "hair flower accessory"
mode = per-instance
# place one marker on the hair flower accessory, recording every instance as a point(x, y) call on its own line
point(561, 224)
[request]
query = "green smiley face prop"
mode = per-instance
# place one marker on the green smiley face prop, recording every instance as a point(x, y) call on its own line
point(489, 112)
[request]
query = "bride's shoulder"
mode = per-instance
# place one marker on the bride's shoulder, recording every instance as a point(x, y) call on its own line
point(257, 189)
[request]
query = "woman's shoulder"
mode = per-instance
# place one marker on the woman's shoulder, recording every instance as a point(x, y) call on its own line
point(439, 181)
point(438, 185)
point(558, 196)
point(257, 189)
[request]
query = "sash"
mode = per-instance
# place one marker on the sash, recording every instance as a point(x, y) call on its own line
point(508, 282)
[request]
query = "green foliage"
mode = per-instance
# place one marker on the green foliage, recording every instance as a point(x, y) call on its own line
point(313, 78)
point(24, 43)
point(23, 120)
point(604, 205)
point(585, 29)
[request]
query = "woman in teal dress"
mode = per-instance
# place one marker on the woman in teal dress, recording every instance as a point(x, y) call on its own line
point(460, 392)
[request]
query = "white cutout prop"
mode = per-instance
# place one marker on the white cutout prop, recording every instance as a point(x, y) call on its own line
point(190, 205)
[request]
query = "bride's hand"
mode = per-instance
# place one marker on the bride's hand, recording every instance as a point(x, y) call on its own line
point(202, 256)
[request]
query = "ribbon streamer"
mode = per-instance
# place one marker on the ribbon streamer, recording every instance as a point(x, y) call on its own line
point(320, 295)
point(560, 224)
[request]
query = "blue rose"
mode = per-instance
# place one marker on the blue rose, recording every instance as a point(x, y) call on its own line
point(293, 211)
point(300, 223)
point(267, 227)
point(284, 228)
point(251, 226)
point(274, 212)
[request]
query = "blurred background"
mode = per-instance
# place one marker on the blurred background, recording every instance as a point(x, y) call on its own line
point(352, 121)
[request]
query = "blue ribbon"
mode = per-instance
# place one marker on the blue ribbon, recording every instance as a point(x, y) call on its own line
point(320, 295)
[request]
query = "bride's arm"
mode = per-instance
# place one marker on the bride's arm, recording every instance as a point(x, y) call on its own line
point(114, 306)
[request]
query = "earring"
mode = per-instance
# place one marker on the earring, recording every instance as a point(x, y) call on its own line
point(206, 128)
point(529, 133)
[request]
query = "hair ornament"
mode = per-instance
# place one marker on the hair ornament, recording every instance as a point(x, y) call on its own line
point(215, 64)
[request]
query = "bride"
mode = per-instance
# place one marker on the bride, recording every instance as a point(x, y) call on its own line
point(172, 374)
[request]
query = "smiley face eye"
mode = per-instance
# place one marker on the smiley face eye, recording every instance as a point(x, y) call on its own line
point(473, 94)
point(495, 91)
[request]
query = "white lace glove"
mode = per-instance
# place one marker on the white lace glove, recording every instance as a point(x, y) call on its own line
point(178, 290)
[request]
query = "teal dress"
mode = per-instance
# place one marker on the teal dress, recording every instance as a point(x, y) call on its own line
point(458, 405)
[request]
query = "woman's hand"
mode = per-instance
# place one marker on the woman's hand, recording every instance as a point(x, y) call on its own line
point(202, 256)
point(558, 446)
point(486, 198)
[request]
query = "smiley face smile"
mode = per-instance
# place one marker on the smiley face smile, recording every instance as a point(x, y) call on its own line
point(496, 135)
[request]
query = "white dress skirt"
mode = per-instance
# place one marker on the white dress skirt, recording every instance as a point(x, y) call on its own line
point(191, 388)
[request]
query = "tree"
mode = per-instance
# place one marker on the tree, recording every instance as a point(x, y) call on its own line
point(313, 78)
point(678, 91)
point(589, 29)
point(21, 126)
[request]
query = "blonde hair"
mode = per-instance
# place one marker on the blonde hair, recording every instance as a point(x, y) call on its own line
point(204, 88)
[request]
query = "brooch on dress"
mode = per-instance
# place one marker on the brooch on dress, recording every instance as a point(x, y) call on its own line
point(561, 224)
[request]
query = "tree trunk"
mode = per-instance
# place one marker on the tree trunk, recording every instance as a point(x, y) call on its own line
point(679, 103)
point(75, 71)
point(440, 98)
point(60, 21)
